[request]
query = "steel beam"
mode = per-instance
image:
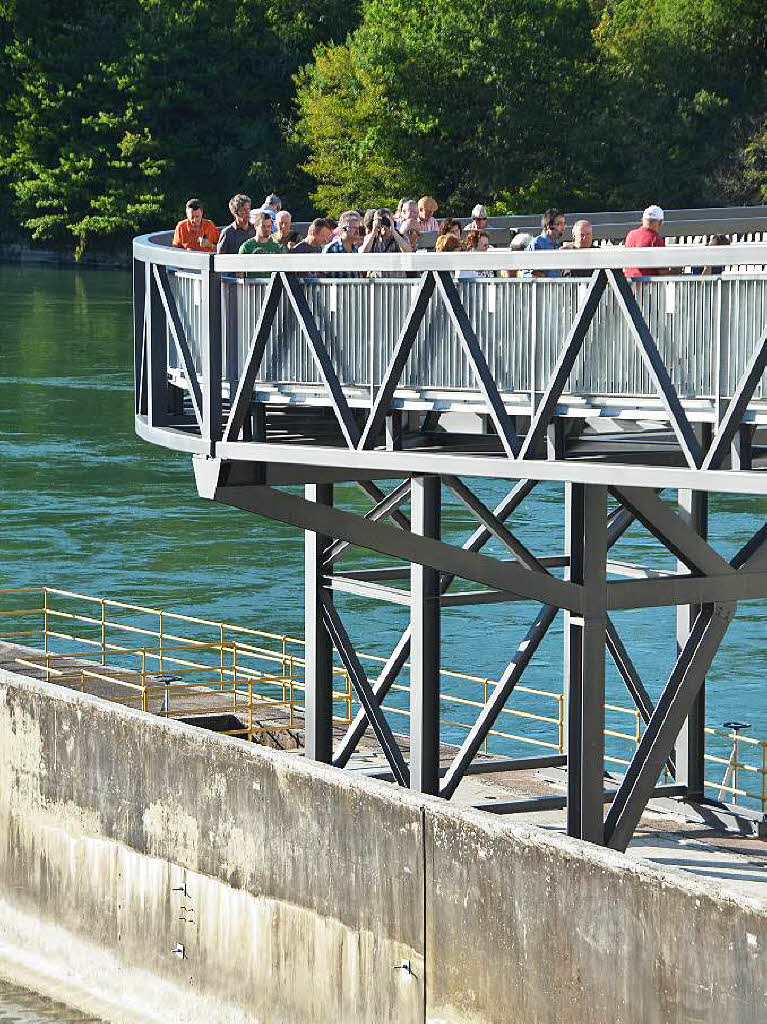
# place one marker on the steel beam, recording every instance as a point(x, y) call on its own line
point(424, 643)
point(319, 652)
point(500, 695)
point(402, 349)
point(672, 708)
point(139, 336)
point(380, 688)
point(390, 540)
point(656, 367)
point(212, 354)
point(586, 675)
point(564, 365)
point(487, 385)
point(155, 353)
point(244, 396)
point(364, 691)
point(690, 744)
point(308, 325)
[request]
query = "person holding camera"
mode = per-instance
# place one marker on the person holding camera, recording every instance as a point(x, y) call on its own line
point(382, 236)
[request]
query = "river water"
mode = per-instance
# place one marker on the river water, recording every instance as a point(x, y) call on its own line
point(88, 506)
point(20, 1006)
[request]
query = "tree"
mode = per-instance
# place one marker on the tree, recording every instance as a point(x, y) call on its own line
point(687, 79)
point(119, 110)
point(468, 99)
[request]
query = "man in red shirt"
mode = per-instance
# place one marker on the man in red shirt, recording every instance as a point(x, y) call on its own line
point(647, 237)
point(195, 233)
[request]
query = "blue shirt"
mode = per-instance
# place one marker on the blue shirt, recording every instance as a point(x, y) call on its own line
point(338, 246)
point(543, 241)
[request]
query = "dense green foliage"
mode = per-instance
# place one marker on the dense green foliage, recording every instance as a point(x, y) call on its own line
point(525, 103)
point(116, 111)
point(112, 112)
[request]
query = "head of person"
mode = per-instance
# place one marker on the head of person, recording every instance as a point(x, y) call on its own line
point(408, 209)
point(719, 240)
point(320, 232)
point(448, 243)
point(553, 223)
point(652, 218)
point(273, 201)
point(583, 234)
point(283, 221)
point(262, 222)
point(520, 241)
point(239, 207)
point(410, 231)
point(427, 207)
point(477, 241)
point(383, 222)
point(194, 211)
point(479, 216)
point(451, 227)
point(349, 224)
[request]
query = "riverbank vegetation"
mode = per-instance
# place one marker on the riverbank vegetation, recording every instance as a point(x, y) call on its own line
point(113, 112)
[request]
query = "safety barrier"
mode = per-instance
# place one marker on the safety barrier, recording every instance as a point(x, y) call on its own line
point(184, 666)
point(705, 329)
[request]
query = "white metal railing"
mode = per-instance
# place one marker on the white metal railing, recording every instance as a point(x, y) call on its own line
point(705, 329)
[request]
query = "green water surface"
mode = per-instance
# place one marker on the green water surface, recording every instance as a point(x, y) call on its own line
point(86, 505)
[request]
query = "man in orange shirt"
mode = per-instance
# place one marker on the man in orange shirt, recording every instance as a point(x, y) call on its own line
point(195, 233)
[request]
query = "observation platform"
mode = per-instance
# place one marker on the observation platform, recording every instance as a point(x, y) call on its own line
point(271, 372)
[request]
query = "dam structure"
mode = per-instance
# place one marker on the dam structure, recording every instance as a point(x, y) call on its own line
point(154, 870)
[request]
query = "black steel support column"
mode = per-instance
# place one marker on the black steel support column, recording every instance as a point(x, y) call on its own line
point(585, 660)
point(318, 711)
point(691, 742)
point(156, 376)
point(212, 353)
point(424, 643)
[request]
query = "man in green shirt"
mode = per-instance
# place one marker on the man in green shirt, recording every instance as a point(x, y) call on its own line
point(263, 242)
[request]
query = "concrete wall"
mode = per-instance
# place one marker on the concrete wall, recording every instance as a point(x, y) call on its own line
point(305, 890)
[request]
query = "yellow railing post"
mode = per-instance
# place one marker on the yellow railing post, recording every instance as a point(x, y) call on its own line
point(283, 657)
point(144, 696)
point(487, 737)
point(561, 722)
point(222, 630)
point(45, 619)
point(159, 617)
point(103, 633)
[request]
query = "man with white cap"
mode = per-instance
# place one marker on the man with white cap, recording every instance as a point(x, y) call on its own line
point(647, 237)
point(479, 222)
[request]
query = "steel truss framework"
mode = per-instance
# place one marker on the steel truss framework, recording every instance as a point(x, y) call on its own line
point(237, 465)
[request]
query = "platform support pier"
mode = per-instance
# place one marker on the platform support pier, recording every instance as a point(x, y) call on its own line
point(424, 643)
point(319, 648)
point(585, 660)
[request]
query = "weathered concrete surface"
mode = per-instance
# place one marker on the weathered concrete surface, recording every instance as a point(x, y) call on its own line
point(304, 889)
point(296, 890)
point(528, 928)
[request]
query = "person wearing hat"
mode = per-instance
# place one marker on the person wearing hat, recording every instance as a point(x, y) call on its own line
point(647, 237)
point(479, 219)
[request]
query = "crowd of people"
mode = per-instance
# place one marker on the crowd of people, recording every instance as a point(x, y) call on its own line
point(268, 229)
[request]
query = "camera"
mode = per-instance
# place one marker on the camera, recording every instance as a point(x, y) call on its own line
point(385, 222)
